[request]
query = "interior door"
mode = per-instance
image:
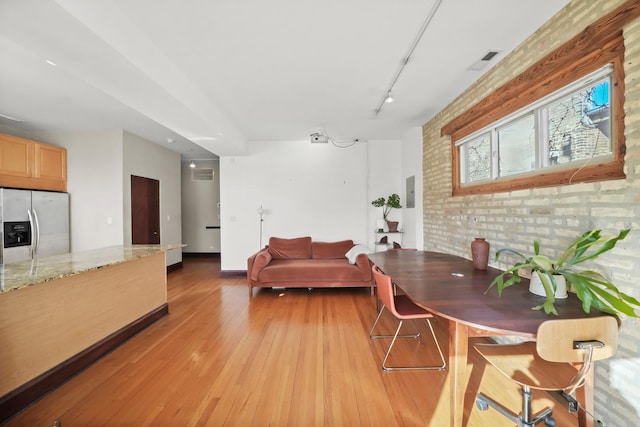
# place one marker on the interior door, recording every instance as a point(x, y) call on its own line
point(145, 210)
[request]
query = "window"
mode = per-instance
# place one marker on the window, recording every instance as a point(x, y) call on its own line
point(560, 121)
point(569, 128)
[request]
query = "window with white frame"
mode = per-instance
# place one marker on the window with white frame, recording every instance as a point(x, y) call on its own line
point(566, 129)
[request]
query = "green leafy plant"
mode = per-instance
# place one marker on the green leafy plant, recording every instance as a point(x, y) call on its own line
point(392, 202)
point(591, 287)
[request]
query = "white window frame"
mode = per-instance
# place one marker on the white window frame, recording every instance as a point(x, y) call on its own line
point(540, 115)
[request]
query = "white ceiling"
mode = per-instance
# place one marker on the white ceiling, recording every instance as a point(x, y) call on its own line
point(214, 74)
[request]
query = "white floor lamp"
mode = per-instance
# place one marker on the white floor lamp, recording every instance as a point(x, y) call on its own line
point(261, 212)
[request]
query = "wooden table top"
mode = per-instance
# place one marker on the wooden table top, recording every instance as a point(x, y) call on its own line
point(450, 287)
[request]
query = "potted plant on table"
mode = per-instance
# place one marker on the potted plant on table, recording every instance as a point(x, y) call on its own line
point(591, 287)
point(393, 201)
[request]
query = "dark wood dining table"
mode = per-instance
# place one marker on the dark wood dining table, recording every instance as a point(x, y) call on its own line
point(451, 288)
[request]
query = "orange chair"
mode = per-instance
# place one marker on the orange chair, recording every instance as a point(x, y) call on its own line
point(403, 309)
point(547, 363)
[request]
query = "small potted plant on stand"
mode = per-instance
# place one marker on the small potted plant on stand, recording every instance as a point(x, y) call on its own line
point(392, 202)
point(591, 287)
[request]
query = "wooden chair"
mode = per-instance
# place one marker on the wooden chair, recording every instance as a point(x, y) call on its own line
point(550, 362)
point(403, 309)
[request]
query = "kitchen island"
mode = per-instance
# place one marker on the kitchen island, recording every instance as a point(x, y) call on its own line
point(59, 314)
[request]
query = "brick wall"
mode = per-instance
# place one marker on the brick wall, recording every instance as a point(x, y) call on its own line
point(556, 215)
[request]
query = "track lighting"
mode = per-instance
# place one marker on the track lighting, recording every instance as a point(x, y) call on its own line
point(388, 99)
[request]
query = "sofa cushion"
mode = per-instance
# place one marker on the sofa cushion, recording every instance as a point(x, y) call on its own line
point(331, 249)
point(310, 270)
point(297, 248)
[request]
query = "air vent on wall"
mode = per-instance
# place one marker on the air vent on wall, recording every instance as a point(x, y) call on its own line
point(484, 60)
point(202, 174)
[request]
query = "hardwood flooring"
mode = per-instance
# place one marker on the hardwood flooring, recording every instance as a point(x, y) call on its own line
point(280, 358)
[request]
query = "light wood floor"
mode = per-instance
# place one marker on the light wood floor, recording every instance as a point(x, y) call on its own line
point(281, 358)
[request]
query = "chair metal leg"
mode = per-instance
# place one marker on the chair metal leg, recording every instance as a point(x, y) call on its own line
point(524, 419)
point(413, 368)
point(374, 337)
point(435, 339)
point(483, 402)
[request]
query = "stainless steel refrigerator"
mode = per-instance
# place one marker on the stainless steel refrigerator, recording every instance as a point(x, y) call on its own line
point(34, 224)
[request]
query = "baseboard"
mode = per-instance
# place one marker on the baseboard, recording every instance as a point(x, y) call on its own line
point(233, 273)
point(174, 267)
point(18, 399)
point(201, 254)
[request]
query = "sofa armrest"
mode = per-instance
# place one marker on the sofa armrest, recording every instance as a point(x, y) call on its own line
point(257, 262)
point(364, 264)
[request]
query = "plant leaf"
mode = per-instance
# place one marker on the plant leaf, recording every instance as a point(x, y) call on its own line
point(548, 308)
point(607, 245)
point(594, 290)
point(510, 251)
point(613, 303)
point(542, 262)
point(579, 246)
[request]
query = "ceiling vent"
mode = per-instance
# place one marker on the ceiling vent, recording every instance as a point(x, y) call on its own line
point(484, 61)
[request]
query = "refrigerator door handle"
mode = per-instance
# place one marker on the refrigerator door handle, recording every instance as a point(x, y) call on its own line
point(35, 217)
point(33, 241)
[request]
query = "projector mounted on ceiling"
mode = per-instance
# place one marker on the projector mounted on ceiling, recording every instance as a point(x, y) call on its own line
point(319, 138)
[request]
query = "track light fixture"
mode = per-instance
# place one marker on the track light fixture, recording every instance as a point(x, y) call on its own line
point(387, 98)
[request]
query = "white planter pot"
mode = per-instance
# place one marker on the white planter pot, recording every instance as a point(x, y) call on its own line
point(380, 224)
point(535, 286)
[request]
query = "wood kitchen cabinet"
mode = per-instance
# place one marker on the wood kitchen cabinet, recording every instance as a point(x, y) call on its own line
point(32, 165)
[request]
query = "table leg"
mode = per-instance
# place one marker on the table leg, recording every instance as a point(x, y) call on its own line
point(585, 395)
point(458, 351)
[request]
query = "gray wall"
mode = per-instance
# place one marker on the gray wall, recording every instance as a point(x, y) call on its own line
point(149, 160)
point(200, 208)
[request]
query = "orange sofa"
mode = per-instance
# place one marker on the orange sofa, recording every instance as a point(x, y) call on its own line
point(303, 263)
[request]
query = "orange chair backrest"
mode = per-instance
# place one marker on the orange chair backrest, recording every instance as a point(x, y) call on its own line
point(385, 288)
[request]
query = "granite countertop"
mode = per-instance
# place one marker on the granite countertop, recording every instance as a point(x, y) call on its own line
point(18, 275)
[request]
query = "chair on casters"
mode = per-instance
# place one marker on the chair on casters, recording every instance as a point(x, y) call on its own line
point(403, 309)
point(547, 363)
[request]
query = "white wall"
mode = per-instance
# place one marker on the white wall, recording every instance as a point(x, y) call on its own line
point(306, 189)
point(384, 180)
point(200, 209)
point(149, 160)
point(411, 165)
point(94, 182)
